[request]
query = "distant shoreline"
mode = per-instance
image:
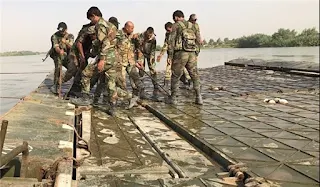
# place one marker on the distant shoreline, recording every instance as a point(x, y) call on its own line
point(29, 53)
point(20, 53)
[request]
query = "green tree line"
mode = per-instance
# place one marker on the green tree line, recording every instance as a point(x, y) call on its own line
point(19, 53)
point(281, 38)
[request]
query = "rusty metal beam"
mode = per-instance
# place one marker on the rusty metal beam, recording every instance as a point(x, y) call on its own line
point(16, 151)
point(3, 133)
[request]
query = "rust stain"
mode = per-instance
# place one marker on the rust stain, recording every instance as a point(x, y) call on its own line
point(58, 122)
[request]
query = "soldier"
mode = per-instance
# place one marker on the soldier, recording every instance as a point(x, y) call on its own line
point(114, 21)
point(193, 19)
point(185, 78)
point(127, 57)
point(61, 43)
point(106, 40)
point(184, 39)
point(80, 53)
point(100, 78)
point(146, 48)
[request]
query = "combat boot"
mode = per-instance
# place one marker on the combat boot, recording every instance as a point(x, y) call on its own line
point(133, 102)
point(198, 97)
point(142, 94)
point(105, 97)
point(167, 84)
point(96, 100)
point(189, 84)
point(172, 99)
point(112, 109)
point(155, 95)
point(84, 100)
point(54, 89)
point(135, 92)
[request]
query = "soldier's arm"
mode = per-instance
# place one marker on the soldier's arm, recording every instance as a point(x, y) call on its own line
point(137, 52)
point(164, 47)
point(103, 40)
point(70, 40)
point(153, 49)
point(172, 40)
point(198, 39)
point(79, 41)
point(55, 43)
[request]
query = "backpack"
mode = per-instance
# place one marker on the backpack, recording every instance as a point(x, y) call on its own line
point(188, 37)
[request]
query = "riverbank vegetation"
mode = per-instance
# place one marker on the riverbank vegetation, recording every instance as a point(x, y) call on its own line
point(281, 38)
point(19, 53)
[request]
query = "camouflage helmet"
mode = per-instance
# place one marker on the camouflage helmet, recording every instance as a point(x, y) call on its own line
point(91, 30)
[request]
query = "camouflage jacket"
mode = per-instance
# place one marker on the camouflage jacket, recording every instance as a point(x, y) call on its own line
point(176, 37)
point(106, 38)
point(125, 48)
point(146, 47)
point(84, 38)
point(56, 41)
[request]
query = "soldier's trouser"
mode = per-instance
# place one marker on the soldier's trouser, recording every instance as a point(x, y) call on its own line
point(152, 67)
point(136, 82)
point(121, 91)
point(123, 77)
point(110, 72)
point(89, 72)
point(183, 78)
point(100, 79)
point(61, 59)
point(183, 59)
point(77, 77)
point(72, 68)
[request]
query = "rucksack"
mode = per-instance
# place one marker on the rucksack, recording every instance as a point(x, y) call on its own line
point(188, 37)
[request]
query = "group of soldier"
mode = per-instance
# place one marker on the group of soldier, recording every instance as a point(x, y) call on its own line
point(118, 52)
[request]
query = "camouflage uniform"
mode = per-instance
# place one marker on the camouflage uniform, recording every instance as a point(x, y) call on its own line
point(74, 66)
point(105, 45)
point(183, 58)
point(146, 51)
point(56, 41)
point(127, 60)
point(169, 61)
point(198, 35)
point(106, 40)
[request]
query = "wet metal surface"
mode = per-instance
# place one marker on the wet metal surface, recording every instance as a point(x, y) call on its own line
point(40, 120)
point(122, 156)
point(278, 141)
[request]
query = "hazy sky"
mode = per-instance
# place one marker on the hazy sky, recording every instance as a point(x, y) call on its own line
point(28, 25)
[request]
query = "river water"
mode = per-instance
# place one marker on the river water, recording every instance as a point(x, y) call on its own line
point(19, 85)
